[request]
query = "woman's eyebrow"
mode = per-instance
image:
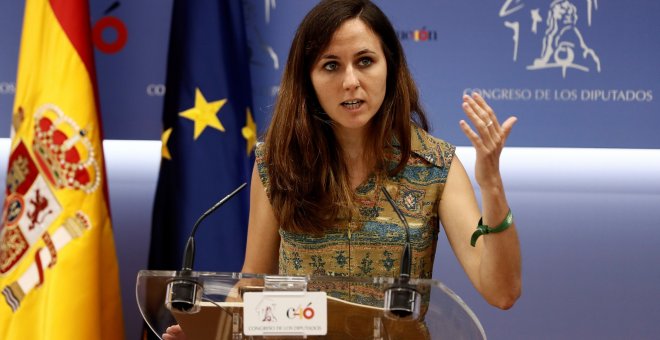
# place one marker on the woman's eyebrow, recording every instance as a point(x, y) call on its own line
point(357, 54)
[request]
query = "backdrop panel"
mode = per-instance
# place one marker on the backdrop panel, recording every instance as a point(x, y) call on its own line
point(578, 73)
point(595, 87)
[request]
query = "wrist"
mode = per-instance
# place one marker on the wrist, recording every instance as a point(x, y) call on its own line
point(493, 189)
point(483, 229)
point(493, 181)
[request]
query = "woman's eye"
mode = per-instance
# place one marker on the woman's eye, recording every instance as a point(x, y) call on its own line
point(365, 62)
point(331, 66)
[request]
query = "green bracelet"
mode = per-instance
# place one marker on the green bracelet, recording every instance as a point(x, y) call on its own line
point(484, 229)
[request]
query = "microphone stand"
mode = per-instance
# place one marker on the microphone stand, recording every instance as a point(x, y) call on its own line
point(402, 300)
point(184, 292)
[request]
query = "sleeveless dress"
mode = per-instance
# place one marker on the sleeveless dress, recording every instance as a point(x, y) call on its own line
point(372, 245)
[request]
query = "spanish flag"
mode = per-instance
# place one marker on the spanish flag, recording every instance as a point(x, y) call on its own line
point(58, 267)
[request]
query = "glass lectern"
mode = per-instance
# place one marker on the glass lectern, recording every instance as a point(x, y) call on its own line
point(252, 306)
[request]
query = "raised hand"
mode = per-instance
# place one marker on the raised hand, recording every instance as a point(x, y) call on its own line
point(488, 140)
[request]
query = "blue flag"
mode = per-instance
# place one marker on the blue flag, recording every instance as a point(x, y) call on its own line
point(208, 138)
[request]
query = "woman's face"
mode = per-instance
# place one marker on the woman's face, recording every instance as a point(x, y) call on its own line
point(350, 76)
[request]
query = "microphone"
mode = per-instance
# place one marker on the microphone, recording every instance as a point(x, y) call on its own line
point(184, 292)
point(402, 300)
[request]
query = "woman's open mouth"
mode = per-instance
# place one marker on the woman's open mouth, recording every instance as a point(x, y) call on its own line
point(352, 104)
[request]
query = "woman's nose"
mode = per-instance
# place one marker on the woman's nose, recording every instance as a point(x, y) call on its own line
point(351, 80)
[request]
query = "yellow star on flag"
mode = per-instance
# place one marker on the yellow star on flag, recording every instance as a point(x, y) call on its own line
point(249, 132)
point(164, 138)
point(204, 113)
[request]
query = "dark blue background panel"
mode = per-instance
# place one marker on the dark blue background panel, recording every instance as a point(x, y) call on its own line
point(595, 86)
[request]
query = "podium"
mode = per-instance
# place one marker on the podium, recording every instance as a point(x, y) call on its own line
point(236, 305)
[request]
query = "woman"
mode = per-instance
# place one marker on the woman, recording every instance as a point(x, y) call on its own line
point(348, 123)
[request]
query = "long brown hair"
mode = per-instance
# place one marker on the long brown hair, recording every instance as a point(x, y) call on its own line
point(309, 183)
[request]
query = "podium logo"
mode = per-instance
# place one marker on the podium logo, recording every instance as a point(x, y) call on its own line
point(300, 312)
point(561, 44)
point(267, 314)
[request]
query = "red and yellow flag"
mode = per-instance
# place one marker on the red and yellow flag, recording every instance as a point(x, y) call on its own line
point(58, 267)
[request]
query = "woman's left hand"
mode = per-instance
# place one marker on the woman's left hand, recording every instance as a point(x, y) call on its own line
point(488, 140)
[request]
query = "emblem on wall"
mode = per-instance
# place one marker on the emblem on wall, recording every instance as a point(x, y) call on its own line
point(561, 44)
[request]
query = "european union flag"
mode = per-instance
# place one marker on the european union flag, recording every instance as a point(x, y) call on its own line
point(208, 138)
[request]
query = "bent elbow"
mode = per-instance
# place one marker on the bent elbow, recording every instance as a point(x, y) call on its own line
point(506, 300)
point(505, 304)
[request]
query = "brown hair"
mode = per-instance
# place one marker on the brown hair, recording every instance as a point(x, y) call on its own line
point(309, 185)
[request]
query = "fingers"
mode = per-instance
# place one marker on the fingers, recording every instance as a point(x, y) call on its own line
point(489, 133)
point(487, 111)
point(508, 125)
point(174, 333)
point(484, 122)
point(471, 135)
point(480, 113)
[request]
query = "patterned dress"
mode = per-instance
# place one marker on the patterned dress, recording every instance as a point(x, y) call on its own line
point(372, 246)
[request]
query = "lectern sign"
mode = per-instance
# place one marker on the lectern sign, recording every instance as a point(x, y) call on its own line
point(285, 313)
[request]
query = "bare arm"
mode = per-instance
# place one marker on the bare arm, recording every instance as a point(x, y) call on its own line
point(494, 265)
point(263, 240)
